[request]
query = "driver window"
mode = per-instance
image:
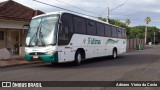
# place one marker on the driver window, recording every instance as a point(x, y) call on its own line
point(66, 31)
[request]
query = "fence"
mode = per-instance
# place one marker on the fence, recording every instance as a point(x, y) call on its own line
point(132, 43)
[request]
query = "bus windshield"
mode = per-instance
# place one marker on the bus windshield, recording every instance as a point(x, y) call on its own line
point(42, 31)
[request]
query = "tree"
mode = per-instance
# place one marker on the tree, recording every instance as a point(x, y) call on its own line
point(102, 19)
point(147, 20)
point(138, 32)
point(127, 22)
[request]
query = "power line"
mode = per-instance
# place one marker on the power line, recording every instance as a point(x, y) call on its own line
point(114, 9)
point(118, 6)
point(75, 7)
point(63, 8)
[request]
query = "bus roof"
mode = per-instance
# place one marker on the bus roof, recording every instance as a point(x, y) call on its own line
point(84, 16)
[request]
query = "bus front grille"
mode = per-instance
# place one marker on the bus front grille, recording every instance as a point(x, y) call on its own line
point(37, 53)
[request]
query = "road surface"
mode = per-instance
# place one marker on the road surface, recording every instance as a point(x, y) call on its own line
point(132, 66)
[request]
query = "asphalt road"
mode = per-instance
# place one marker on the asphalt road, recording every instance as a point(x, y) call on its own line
point(132, 66)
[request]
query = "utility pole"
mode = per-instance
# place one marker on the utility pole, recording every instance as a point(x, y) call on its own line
point(146, 35)
point(154, 38)
point(108, 12)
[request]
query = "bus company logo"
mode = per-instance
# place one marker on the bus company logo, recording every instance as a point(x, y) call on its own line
point(84, 41)
point(6, 84)
point(111, 41)
point(93, 41)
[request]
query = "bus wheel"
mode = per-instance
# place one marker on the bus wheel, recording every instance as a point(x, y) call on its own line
point(114, 54)
point(78, 58)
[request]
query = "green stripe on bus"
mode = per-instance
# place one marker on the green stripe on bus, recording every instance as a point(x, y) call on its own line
point(45, 58)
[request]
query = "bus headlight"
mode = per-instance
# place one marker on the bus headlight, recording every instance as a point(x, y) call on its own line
point(49, 52)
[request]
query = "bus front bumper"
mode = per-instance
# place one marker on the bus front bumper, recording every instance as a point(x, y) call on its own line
point(45, 58)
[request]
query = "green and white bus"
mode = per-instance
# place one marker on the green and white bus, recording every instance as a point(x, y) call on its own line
point(66, 37)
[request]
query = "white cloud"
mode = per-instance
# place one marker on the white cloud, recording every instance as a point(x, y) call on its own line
point(136, 10)
point(156, 10)
point(2, 0)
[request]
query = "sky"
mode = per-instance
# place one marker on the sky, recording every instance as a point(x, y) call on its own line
point(135, 10)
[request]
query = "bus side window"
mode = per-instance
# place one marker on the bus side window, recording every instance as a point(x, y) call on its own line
point(123, 33)
point(119, 33)
point(114, 32)
point(108, 32)
point(64, 33)
point(66, 30)
point(91, 27)
point(79, 25)
point(100, 29)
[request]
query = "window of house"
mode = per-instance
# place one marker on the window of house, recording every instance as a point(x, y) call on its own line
point(1, 35)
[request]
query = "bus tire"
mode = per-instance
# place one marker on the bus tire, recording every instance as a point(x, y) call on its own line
point(78, 58)
point(114, 53)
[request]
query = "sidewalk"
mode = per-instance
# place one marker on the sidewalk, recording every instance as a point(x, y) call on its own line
point(14, 62)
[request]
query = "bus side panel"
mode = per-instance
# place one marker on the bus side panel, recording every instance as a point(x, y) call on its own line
point(84, 42)
point(66, 53)
point(93, 46)
point(123, 46)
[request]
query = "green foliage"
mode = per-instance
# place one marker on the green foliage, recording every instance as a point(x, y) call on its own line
point(102, 19)
point(127, 22)
point(117, 23)
point(138, 32)
point(147, 20)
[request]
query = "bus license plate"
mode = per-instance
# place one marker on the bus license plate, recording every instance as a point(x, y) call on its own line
point(35, 57)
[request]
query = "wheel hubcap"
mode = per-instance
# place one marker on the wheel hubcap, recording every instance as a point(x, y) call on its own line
point(79, 58)
point(114, 54)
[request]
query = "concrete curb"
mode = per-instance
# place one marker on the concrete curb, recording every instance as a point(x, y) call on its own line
point(19, 64)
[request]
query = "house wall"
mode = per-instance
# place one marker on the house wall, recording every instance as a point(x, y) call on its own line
point(12, 24)
point(4, 54)
point(8, 26)
point(3, 42)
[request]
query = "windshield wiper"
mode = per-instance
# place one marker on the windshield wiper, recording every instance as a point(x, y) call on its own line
point(36, 34)
point(32, 38)
point(42, 39)
point(46, 29)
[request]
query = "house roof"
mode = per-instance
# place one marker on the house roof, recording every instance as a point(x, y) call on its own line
point(2, 3)
point(11, 10)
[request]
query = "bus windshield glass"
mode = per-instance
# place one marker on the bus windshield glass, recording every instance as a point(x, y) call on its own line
point(42, 31)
